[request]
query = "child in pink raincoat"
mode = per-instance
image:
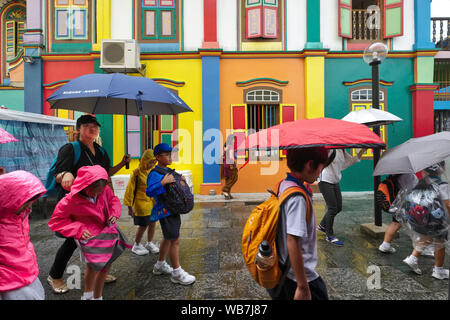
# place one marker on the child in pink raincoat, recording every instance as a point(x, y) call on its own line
point(83, 213)
point(19, 269)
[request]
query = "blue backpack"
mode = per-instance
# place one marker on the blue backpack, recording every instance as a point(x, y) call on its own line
point(50, 184)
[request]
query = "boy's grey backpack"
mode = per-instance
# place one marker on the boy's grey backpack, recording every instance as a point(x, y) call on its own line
point(178, 197)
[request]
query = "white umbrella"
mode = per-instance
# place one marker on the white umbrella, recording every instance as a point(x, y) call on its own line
point(415, 154)
point(371, 117)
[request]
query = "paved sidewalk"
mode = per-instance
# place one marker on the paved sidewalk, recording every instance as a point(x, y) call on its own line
point(210, 249)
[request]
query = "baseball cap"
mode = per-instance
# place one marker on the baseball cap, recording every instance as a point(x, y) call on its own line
point(85, 119)
point(161, 148)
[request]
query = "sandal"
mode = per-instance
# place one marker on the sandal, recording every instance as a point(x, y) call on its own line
point(110, 278)
point(57, 290)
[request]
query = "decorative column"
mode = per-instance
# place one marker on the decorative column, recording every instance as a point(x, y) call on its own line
point(211, 116)
point(210, 24)
point(313, 25)
point(315, 83)
point(424, 86)
point(103, 18)
point(423, 109)
point(33, 44)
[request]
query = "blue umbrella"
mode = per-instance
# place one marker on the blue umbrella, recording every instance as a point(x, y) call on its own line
point(117, 93)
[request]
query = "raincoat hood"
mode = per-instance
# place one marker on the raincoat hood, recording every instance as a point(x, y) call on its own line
point(86, 176)
point(16, 188)
point(145, 159)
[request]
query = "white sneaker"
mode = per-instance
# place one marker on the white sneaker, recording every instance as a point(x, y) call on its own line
point(182, 277)
point(139, 249)
point(153, 248)
point(412, 264)
point(163, 268)
point(386, 249)
point(440, 274)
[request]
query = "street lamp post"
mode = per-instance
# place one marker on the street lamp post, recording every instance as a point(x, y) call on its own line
point(374, 55)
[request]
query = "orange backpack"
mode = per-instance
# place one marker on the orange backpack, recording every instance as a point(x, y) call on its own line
point(386, 192)
point(262, 225)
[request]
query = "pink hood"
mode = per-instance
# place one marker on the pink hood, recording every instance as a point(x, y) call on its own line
point(18, 263)
point(75, 213)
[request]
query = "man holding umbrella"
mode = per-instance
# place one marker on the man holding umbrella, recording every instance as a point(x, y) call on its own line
point(65, 172)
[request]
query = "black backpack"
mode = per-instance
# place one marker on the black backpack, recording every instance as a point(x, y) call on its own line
point(178, 197)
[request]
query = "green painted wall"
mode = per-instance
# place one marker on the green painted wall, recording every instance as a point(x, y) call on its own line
point(12, 99)
point(106, 122)
point(399, 102)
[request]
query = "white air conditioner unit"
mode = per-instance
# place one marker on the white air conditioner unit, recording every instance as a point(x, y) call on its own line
point(120, 56)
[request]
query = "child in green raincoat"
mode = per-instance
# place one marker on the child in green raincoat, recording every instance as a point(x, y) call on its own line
point(140, 205)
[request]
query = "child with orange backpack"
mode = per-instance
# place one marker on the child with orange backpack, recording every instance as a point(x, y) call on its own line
point(292, 223)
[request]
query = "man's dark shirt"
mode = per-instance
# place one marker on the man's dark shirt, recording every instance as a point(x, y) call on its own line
point(66, 156)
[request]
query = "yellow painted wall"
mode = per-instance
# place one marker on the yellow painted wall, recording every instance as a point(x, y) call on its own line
point(190, 72)
point(314, 87)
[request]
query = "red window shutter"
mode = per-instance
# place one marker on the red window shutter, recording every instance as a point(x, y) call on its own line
point(288, 112)
point(239, 125)
point(345, 19)
point(393, 19)
point(254, 17)
point(270, 22)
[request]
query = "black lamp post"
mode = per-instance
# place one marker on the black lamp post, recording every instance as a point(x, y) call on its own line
point(374, 55)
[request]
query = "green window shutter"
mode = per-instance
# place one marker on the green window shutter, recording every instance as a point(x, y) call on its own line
point(345, 19)
point(393, 18)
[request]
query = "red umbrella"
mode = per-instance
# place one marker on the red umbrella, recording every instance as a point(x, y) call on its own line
point(326, 132)
point(6, 137)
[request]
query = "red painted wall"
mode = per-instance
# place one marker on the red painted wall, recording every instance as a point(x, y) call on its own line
point(62, 70)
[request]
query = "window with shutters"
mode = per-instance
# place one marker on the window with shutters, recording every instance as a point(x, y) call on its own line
point(13, 27)
point(261, 19)
point(158, 20)
point(71, 21)
point(370, 20)
point(147, 131)
point(361, 98)
point(262, 109)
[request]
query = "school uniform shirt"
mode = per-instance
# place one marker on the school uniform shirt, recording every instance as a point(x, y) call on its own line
point(66, 156)
point(293, 221)
point(332, 173)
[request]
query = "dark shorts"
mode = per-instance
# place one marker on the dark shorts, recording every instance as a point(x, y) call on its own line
point(170, 226)
point(141, 221)
point(317, 288)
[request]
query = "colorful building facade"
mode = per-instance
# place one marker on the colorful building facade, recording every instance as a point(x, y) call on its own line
point(239, 64)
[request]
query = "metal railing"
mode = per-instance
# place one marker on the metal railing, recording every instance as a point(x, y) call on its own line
point(360, 29)
point(441, 38)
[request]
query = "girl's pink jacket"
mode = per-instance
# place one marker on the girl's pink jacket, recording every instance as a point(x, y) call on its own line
point(75, 213)
point(18, 263)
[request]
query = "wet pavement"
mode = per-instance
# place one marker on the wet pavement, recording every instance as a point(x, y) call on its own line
point(210, 249)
